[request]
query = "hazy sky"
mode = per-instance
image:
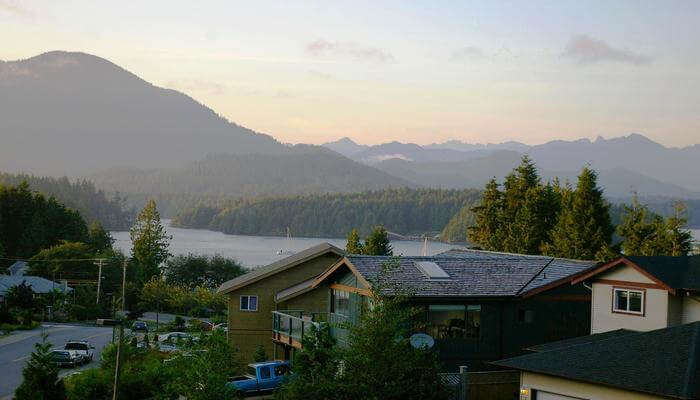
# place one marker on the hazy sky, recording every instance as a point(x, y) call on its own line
point(479, 71)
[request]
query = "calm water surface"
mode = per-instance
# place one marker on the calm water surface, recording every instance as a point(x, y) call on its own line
point(254, 251)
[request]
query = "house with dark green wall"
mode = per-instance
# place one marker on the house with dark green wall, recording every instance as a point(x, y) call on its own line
point(478, 306)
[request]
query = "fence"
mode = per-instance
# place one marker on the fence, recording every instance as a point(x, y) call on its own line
point(490, 385)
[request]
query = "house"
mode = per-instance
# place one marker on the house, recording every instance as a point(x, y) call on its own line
point(644, 293)
point(478, 306)
point(618, 364)
point(19, 268)
point(645, 328)
point(253, 297)
point(38, 284)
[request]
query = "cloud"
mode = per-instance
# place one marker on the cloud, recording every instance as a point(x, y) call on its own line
point(585, 50)
point(13, 7)
point(469, 53)
point(321, 48)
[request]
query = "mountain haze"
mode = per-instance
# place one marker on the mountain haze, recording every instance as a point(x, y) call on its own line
point(74, 113)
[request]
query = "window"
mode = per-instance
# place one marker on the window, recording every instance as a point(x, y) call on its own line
point(249, 303)
point(628, 301)
point(526, 316)
point(341, 302)
point(264, 372)
point(454, 321)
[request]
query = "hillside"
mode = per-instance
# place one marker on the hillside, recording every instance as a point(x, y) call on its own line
point(626, 164)
point(403, 211)
point(80, 195)
point(74, 113)
point(302, 169)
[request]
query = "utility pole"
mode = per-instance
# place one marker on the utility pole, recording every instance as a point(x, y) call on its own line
point(99, 280)
point(118, 364)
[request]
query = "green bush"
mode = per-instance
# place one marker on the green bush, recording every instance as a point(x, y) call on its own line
point(95, 383)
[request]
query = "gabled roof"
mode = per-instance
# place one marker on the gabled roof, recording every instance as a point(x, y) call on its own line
point(562, 344)
point(472, 273)
point(294, 291)
point(672, 273)
point(278, 266)
point(18, 268)
point(38, 284)
point(662, 362)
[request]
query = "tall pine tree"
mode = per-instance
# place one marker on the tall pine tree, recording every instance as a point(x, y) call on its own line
point(40, 376)
point(354, 246)
point(487, 233)
point(583, 230)
point(150, 242)
point(645, 233)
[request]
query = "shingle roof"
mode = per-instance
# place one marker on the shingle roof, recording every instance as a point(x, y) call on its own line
point(561, 344)
point(662, 362)
point(473, 273)
point(295, 290)
point(676, 272)
point(38, 284)
point(18, 268)
point(277, 266)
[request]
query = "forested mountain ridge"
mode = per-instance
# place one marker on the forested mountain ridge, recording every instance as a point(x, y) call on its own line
point(627, 164)
point(302, 169)
point(404, 211)
point(79, 195)
point(75, 113)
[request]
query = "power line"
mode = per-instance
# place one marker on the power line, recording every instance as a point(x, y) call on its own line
point(53, 259)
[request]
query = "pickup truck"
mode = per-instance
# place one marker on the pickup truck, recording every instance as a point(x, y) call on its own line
point(82, 348)
point(261, 377)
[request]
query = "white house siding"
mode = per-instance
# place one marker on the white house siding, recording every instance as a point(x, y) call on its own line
point(603, 319)
point(578, 389)
point(691, 309)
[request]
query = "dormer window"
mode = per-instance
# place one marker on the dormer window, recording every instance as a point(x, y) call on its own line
point(629, 301)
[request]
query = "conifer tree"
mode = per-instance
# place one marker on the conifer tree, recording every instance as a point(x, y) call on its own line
point(583, 228)
point(40, 376)
point(354, 246)
point(377, 243)
point(150, 242)
point(487, 233)
point(645, 233)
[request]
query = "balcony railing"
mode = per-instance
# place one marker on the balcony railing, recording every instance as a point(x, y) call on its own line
point(290, 326)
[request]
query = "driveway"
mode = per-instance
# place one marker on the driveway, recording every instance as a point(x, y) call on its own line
point(16, 348)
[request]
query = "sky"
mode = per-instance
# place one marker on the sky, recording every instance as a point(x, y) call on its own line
point(412, 71)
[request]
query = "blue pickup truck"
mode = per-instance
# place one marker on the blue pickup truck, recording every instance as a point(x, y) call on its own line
point(261, 377)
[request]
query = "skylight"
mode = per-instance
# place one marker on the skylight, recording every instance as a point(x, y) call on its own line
point(431, 270)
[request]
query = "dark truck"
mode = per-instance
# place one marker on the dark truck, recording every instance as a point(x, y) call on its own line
point(261, 377)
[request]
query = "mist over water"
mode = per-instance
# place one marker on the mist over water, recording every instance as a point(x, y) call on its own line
point(253, 251)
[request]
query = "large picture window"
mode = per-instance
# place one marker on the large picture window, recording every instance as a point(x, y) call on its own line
point(628, 301)
point(249, 303)
point(454, 321)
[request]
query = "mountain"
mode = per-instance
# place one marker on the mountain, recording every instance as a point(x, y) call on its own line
point(617, 182)
point(463, 146)
point(74, 113)
point(301, 169)
point(345, 146)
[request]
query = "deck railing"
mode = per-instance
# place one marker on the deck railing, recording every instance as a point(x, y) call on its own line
point(291, 328)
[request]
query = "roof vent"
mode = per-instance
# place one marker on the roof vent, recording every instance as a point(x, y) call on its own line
point(431, 270)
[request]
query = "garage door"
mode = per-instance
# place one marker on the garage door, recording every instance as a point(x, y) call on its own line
point(553, 396)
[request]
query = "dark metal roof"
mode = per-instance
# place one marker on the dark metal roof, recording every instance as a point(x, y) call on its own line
point(472, 273)
point(676, 272)
point(561, 344)
point(662, 362)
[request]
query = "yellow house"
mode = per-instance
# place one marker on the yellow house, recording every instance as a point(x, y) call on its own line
point(253, 297)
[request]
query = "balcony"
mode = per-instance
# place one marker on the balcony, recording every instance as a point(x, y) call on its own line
point(290, 326)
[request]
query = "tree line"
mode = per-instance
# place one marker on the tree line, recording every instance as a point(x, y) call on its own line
point(80, 195)
point(406, 211)
point(524, 215)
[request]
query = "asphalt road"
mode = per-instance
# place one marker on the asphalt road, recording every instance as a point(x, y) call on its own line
point(16, 348)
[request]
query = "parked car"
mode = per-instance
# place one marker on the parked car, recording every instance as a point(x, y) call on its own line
point(139, 326)
point(261, 377)
point(175, 336)
point(221, 327)
point(81, 347)
point(66, 358)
